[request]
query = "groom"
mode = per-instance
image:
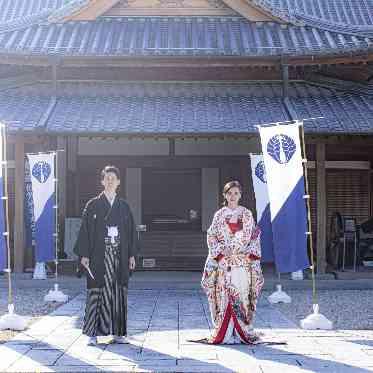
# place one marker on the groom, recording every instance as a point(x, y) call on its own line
point(107, 246)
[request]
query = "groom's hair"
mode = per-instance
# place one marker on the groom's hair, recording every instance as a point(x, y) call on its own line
point(113, 169)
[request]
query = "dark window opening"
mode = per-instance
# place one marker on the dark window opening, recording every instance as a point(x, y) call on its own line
point(171, 199)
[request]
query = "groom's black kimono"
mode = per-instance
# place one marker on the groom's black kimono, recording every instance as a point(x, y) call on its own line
point(106, 308)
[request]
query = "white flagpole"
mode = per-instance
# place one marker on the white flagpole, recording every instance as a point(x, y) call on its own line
point(316, 320)
point(56, 295)
point(10, 320)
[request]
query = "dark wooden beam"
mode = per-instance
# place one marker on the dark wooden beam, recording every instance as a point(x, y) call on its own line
point(346, 139)
point(171, 147)
point(72, 175)
point(285, 81)
point(321, 208)
point(61, 173)
point(54, 79)
point(19, 239)
point(187, 62)
point(13, 138)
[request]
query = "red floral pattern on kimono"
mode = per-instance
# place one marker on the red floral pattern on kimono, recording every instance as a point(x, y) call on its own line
point(232, 277)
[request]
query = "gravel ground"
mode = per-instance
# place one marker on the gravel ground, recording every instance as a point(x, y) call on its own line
point(28, 299)
point(348, 309)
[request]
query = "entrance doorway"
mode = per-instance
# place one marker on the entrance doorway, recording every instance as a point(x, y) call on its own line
point(171, 211)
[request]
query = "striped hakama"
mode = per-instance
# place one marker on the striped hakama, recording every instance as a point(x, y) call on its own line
point(106, 307)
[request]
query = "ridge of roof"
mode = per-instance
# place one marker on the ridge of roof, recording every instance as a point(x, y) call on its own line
point(68, 9)
point(362, 31)
point(283, 14)
point(301, 18)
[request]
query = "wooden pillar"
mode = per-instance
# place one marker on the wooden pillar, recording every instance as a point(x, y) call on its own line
point(72, 167)
point(321, 208)
point(61, 171)
point(210, 195)
point(285, 80)
point(171, 151)
point(133, 189)
point(19, 182)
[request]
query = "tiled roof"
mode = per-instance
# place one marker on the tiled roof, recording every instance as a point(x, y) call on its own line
point(348, 16)
point(22, 112)
point(344, 16)
point(69, 8)
point(181, 108)
point(175, 36)
point(11, 10)
point(341, 85)
point(20, 14)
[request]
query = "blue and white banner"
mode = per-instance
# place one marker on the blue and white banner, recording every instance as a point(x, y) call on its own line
point(262, 206)
point(42, 181)
point(285, 180)
point(3, 247)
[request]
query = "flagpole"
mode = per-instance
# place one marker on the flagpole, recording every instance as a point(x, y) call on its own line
point(6, 225)
point(309, 221)
point(316, 320)
point(56, 213)
point(11, 320)
point(56, 295)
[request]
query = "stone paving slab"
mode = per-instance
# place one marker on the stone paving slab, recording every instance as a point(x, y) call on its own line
point(161, 324)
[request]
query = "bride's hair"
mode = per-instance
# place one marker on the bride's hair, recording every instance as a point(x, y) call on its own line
point(228, 187)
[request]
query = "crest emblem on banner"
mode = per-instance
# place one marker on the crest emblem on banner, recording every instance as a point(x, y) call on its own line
point(260, 172)
point(41, 171)
point(281, 148)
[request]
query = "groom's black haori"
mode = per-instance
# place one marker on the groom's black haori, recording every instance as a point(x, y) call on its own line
point(106, 307)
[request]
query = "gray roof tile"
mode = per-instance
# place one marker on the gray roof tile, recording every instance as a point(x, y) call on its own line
point(182, 108)
point(11, 10)
point(22, 111)
point(343, 16)
point(177, 36)
point(346, 16)
point(20, 14)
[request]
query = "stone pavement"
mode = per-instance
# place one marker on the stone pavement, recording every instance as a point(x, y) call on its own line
point(161, 321)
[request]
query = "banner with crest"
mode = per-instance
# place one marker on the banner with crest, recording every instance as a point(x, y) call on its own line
point(282, 157)
point(42, 181)
point(262, 206)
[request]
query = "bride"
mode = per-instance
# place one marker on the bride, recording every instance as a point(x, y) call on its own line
point(232, 277)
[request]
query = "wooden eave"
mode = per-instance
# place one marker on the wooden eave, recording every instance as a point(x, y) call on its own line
point(38, 136)
point(182, 61)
